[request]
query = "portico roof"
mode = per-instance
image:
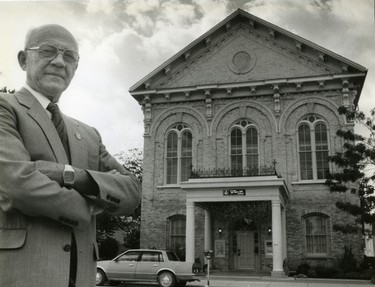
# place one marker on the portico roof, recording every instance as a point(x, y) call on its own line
point(259, 188)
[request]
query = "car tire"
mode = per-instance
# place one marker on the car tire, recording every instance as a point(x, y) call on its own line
point(101, 278)
point(181, 284)
point(166, 279)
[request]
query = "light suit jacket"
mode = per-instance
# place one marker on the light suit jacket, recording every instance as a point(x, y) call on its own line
point(37, 215)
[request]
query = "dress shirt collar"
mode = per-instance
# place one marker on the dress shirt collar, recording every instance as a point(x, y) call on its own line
point(40, 98)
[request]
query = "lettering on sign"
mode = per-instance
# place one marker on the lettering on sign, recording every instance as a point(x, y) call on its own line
point(230, 192)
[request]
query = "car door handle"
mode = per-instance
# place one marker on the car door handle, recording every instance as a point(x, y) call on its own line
point(131, 264)
point(156, 265)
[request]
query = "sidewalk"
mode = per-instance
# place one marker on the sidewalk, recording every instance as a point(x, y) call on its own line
point(265, 281)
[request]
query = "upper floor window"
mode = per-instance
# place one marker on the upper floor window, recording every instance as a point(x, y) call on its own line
point(313, 148)
point(244, 146)
point(178, 154)
point(316, 234)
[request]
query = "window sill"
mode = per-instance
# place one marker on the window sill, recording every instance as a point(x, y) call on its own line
point(167, 186)
point(321, 181)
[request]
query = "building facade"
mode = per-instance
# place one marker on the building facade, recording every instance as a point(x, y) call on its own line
point(238, 127)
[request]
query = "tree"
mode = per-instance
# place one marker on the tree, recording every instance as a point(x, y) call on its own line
point(6, 90)
point(107, 224)
point(355, 171)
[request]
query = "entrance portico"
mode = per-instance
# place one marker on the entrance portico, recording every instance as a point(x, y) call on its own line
point(238, 190)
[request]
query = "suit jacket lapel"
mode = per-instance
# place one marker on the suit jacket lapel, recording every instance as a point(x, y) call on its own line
point(78, 154)
point(38, 114)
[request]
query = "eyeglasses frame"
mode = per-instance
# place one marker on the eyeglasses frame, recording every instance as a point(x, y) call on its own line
point(59, 51)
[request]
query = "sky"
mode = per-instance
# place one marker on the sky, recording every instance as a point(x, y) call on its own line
point(122, 41)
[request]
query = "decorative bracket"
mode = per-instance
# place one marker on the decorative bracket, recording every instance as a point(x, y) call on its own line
point(345, 93)
point(147, 114)
point(276, 99)
point(299, 46)
point(207, 94)
point(187, 55)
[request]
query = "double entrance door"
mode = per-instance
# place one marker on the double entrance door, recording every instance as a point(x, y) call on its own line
point(245, 250)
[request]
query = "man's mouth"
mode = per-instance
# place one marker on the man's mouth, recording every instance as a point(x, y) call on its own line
point(56, 75)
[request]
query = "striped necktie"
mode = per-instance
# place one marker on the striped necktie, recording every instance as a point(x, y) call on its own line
point(59, 124)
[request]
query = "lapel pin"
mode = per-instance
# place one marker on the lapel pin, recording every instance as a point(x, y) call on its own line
point(78, 136)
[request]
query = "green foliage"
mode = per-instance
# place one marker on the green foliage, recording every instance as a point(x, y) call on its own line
point(355, 170)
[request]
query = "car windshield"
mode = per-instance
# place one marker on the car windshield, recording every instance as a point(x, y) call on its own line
point(172, 256)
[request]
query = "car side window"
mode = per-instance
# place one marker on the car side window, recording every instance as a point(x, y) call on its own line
point(129, 256)
point(150, 256)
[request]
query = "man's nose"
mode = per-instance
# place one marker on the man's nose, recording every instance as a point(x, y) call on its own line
point(59, 60)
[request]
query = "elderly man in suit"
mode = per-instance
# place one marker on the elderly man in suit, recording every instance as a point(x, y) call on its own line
point(55, 174)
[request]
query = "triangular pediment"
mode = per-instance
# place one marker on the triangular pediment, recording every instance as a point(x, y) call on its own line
point(244, 49)
point(244, 56)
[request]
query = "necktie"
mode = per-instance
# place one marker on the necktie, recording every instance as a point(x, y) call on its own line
point(60, 126)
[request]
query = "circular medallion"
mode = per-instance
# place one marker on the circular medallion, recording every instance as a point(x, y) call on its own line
point(241, 62)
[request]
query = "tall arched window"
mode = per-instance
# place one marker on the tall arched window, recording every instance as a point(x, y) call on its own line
point(313, 148)
point(244, 146)
point(178, 154)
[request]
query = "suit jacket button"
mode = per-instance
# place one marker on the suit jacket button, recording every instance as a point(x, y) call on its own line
point(67, 247)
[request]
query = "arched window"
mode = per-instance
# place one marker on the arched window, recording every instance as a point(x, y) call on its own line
point(316, 227)
point(313, 148)
point(244, 146)
point(176, 234)
point(178, 154)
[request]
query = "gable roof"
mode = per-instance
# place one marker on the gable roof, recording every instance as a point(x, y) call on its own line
point(334, 63)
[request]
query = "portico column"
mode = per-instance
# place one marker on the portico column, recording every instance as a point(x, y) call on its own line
point(190, 232)
point(283, 220)
point(207, 232)
point(277, 242)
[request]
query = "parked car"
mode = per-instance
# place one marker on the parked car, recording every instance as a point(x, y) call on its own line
point(163, 267)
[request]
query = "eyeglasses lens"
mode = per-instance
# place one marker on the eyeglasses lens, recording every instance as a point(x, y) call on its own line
point(50, 52)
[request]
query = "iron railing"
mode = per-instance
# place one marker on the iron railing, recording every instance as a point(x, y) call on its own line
point(237, 172)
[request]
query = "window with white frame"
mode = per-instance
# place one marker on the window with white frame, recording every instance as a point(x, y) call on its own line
point(316, 234)
point(244, 146)
point(178, 154)
point(313, 148)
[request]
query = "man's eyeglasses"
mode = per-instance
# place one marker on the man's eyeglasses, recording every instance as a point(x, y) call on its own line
point(50, 52)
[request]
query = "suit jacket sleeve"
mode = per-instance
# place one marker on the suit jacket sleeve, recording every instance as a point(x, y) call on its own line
point(118, 193)
point(24, 189)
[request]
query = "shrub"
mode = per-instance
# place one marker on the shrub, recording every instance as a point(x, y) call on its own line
point(303, 268)
point(325, 272)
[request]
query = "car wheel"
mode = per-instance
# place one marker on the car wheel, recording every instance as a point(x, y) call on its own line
point(100, 277)
point(166, 279)
point(181, 284)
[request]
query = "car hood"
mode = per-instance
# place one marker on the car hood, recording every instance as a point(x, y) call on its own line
point(103, 264)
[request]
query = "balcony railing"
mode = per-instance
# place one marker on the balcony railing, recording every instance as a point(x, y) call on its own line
point(228, 172)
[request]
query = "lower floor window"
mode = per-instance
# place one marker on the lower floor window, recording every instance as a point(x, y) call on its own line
point(177, 231)
point(316, 233)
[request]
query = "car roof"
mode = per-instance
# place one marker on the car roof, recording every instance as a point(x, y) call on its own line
point(146, 250)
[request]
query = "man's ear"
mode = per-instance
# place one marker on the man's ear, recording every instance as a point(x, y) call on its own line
point(22, 59)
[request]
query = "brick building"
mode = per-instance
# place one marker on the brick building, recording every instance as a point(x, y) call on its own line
point(238, 127)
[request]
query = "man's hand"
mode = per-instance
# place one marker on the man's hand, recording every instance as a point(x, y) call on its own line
point(114, 171)
point(84, 183)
